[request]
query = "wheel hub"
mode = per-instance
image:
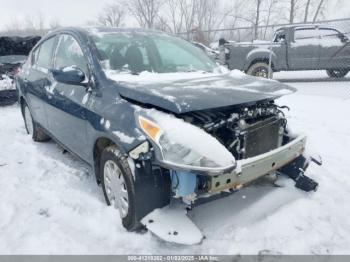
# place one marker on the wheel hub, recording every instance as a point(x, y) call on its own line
point(261, 72)
point(116, 189)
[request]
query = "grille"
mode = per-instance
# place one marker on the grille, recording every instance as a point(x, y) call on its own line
point(262, 137)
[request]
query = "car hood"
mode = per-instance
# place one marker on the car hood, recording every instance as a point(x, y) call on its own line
point(186, 92)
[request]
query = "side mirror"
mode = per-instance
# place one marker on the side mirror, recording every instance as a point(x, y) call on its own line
point(71, 75)
point(344, 38)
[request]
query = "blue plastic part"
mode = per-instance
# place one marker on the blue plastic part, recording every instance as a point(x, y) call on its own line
point(183, 183)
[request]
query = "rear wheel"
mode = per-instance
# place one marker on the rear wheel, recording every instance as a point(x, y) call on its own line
point(32, 128)
point(337, 73)
point(260, 69)
point(118, 186)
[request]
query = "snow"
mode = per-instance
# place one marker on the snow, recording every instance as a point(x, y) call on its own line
point(52, 205)
point(146, 77)
point(123, 137)
point(6, 83)
point(304, 76)
point(152, 77)
point(192, 137)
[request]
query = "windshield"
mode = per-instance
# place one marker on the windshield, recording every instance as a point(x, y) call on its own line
point(153, 52)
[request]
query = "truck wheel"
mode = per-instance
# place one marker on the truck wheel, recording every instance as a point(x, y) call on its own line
point(260, 70)
point(32, 127)
point(118, 186)
point(337, 73)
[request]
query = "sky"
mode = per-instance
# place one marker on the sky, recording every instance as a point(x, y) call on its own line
point(78, 12)
point(66, 12)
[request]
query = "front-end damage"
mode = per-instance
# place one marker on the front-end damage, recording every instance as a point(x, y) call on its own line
point(256, 142)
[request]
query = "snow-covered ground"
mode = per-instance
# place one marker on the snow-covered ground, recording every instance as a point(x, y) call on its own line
point(50, 203)
point(5, 83)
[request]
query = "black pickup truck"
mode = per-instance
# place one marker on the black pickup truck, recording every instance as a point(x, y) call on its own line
point(297, 47)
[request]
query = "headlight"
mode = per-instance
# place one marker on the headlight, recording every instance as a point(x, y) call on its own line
point(183, 145)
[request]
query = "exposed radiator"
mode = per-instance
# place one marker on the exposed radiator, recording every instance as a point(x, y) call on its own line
point(262, 137)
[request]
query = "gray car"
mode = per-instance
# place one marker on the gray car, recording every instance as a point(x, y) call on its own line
point(293, 48)
point(158, 121)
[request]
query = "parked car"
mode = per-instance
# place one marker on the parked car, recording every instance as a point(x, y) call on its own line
point(214, 54)
point(157, 120)
point(13, 53)
point(297, 47)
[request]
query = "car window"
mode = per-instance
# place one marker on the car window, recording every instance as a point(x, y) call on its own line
point(153, 52)
point(306, 34)
point(45, 53)
point(180, 58)
point(69, 53)
point(329, 34)
point(330, 37)
point(280, 36)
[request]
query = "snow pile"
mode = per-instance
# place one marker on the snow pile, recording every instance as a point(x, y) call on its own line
point(6, 83)
point(146, 77)
point(123, 137)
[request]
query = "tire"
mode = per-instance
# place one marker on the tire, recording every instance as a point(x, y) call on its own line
point(260, 69)
point(32, 127)
point(8, 97)
point(337, 73)
point(114, 184)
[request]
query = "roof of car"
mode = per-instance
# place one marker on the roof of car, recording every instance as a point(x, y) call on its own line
point(305, 26)
point(104, 29)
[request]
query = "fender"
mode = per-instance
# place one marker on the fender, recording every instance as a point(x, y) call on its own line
point(261, 54)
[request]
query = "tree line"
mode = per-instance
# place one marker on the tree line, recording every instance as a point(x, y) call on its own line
point(188, 16)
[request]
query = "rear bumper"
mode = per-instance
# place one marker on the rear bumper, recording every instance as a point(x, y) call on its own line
point(253, 168)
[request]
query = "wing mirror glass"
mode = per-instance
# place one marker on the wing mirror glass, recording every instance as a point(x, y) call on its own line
point(71, 75)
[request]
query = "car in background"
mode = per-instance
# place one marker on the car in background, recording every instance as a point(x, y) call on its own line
point(10, 64)
point(293, 48)
point(13, 53)
point(158, 121)
point(214, 54)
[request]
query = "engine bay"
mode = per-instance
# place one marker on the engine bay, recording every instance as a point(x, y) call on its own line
point(245, 131)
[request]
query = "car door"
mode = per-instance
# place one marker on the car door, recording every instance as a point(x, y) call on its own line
point(66, 109)
point(335, 49)
point(37, 80)
point(304, 49)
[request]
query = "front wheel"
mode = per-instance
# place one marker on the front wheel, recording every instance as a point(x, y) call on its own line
point(31, 127)
point(260, 70)
point(118, 186)
point(337, 73)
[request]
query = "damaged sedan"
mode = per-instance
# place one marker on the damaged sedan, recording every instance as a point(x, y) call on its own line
point(162, 125)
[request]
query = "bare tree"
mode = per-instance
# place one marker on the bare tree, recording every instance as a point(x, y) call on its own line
point(257, 17)
point(188, 9)
point(270, 9)
point(112, 15)
point(307, 8)
point(54, 23)
point(34, 22)
point(292, 11)
point(208, 15)
point(145, 11)
point(318, 10)
point(175, 15)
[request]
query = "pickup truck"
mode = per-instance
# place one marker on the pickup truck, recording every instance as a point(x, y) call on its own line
point(293, 48)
